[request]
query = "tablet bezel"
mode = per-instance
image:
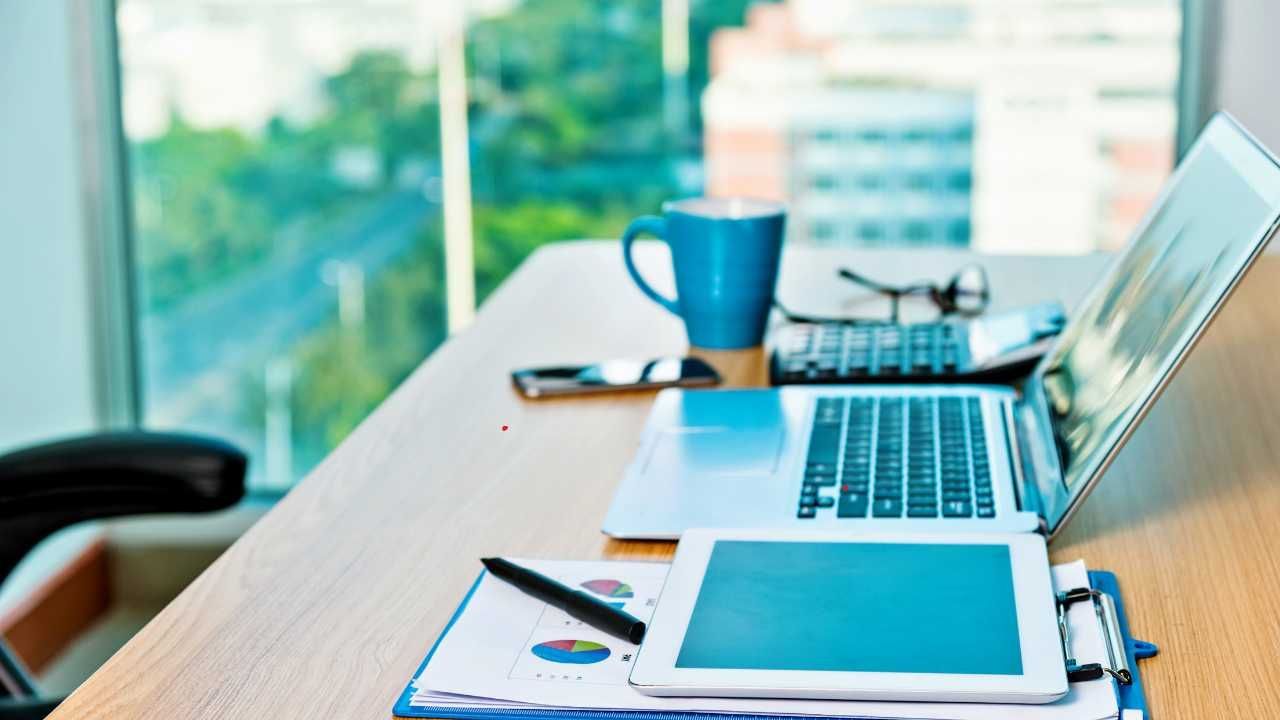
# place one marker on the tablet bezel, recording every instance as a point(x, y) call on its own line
point(1044, 668)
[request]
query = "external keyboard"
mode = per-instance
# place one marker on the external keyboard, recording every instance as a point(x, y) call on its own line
point(997, 348)
point(814, 353)
point(893, 457)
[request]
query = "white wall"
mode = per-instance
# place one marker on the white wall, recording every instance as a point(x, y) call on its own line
point(46, 367)
point(1246, 81)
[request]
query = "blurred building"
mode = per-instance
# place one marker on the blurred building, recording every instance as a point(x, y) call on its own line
point(1039, 126)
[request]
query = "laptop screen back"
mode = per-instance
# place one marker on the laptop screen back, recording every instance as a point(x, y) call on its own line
point(1127, 337)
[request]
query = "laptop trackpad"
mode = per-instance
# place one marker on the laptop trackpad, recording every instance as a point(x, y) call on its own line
point(716, 451)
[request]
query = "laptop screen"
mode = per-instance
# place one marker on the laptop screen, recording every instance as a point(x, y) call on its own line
point(1125, 339)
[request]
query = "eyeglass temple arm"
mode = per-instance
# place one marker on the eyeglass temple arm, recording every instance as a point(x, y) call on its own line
point(867, 282)
point(892, 290)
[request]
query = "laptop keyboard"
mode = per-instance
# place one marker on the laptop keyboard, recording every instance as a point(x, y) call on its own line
point(893, 457)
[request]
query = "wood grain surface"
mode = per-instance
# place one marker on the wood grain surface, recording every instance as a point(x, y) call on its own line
point(325, 607)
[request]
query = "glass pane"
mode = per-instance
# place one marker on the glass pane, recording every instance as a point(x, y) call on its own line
point(577, 128)
point(1036, 126)
point(290, 188)
point(1043, 126)
point(287, 225)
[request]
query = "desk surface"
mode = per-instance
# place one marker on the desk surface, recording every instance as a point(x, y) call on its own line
point(326, 606)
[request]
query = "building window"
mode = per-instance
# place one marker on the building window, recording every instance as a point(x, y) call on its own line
point(871, 233)
point(823, 232)
point(916, 233)
point(919, 183)
point(824, 181)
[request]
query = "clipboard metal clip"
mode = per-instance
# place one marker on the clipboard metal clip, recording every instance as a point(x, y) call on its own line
point(1104, 607)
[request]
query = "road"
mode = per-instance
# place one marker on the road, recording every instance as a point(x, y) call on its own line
point(195, 353)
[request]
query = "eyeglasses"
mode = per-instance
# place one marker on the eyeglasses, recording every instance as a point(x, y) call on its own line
point(967, 293)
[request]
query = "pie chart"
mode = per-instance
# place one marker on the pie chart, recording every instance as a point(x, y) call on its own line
point(571, 652)
point(609, 588)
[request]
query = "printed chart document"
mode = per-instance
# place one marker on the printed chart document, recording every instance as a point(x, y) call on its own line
point(509, 650)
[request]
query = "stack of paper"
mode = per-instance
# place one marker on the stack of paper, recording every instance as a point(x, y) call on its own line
point(507, 654)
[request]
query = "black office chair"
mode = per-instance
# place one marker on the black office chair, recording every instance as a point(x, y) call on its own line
point(48, 487)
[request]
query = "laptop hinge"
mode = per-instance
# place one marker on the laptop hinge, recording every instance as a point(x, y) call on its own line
point(1028, 495)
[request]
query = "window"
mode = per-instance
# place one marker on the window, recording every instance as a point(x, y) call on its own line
point(303, 238)
point(823, 232)
point(286, 187)
point(290, 196)
point(824, 181)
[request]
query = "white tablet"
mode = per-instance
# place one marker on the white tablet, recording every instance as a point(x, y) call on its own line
point(958, 617)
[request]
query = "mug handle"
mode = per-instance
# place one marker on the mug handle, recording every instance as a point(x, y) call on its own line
point(657, 227)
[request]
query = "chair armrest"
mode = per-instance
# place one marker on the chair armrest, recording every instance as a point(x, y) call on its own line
point(47, 487)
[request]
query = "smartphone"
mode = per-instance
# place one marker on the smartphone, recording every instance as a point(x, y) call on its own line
point(614, 375)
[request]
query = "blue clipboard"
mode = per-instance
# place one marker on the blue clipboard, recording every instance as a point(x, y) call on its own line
point(1129, 697)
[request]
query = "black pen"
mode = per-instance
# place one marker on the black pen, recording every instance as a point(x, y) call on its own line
point(592, 611)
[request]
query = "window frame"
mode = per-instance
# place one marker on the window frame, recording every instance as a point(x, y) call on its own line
point(108, 222)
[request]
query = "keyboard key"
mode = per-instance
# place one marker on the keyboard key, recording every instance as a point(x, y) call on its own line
point(922, 511)
point(809, 489)
point(826, 501)
point(806, 512)
point(956, 509)
point(808, 501)
point(986, 512)
point(887, 508)
point(851, 506)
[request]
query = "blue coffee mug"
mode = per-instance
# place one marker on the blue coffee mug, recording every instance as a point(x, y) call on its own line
point(725, 253)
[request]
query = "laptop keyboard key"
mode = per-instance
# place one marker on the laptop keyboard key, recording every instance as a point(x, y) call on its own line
point(852, 506)
point(887, 508)
point(806, 513)
point(956, 509)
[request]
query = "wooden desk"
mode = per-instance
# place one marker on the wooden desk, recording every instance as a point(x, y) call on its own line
point(326, 606)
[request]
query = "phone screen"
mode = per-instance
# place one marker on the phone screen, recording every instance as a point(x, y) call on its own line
point(614, 375)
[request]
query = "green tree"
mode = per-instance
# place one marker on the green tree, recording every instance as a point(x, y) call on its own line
point(378, 102)
point(193, 227)
point(508, 234)
point(344, 373)
point(566, 85)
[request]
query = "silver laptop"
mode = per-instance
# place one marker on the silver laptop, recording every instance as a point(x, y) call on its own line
point(963, 456)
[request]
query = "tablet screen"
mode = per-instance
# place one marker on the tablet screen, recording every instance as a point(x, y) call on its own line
point(855, 607)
